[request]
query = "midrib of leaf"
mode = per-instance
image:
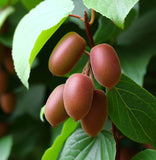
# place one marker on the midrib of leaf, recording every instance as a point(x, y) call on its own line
point(148, 137)
point(88, 146)
point(127, 114)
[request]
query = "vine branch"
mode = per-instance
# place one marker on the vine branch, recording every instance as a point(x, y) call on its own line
point(88, 30)
point(117, 140)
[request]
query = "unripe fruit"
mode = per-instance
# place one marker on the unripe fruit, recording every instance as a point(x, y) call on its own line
point(66, 54)
point(78, 95)
point(54, 111)
point(8, 102)
point(3, 81)
point(8, 63)
point(105, 65)
point(127, 153)
point(94, 121)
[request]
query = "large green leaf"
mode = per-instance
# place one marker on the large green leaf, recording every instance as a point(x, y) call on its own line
point(81, 146)
point(134, 61)
point(106, 30)
point(53, 152)
point(4, 14)
point(8, 2)
point(13, 20)
point(34, 30)
point(147, 154)
point(25, 102)
point(79, 10)
point(5, 147)
point(29, 4)
point(141, 33)
point(133, 110)
point(114, 10)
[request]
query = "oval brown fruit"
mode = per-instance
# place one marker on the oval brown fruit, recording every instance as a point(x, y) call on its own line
point(54, 111)
point(127, 153)
point(8, 63)
point(3, 129)
point(66, 53)
point(2, 52)
point(94, 121)
point(3, 81)
point(8, 102)
point(78, 95)
point(105, 64)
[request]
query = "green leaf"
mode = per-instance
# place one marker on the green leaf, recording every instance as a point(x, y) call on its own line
point(5, 13)
point(138, 34)
point(147, 154)
point(79, 10)
point(25, 102)
point(114, 10)
point(5, 147)
point(106, 30)
point(53, 152)
point(34, 30)
point(29, 4)
point(132, 109)
point(42, 113)
point(134, 61)
point(3, 2)
point(13, 20)
point(7, 2)
point(81, 146)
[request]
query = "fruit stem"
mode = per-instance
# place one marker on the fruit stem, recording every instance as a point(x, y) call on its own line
point(92, 17)
point(117, 140)
point(86, 68)
point(87, 53)
point(76, 16)
point(88, 30)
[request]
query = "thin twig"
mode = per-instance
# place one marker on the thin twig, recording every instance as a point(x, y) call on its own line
point(117, 140)
point(92, 17)
point(76, 16)
point(88, 30)
point(87, 53)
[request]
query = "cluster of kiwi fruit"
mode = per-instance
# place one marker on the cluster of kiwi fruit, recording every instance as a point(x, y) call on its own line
point(78, 98)
point(7, 97)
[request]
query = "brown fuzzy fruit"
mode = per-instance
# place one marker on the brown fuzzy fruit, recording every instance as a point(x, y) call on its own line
point(54, 111)
point(3, 129)
point(78, 95)
point(127, 153)
point(66, 53)
point(2, 53)
point(94, 121)
point(8, 63)
point(8, 102)
point(3, 81)
point(105, 65)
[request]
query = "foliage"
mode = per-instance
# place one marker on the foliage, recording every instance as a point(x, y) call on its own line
point(31, 29)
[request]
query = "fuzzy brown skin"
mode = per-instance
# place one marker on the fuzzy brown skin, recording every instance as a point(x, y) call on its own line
point(66, 53)
point(78, 95)
point(8, 62)
point(8, 102)
point(2, 53)
point(54, 111)
point(94, 121)
point(3, 81)
point(105, 64)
